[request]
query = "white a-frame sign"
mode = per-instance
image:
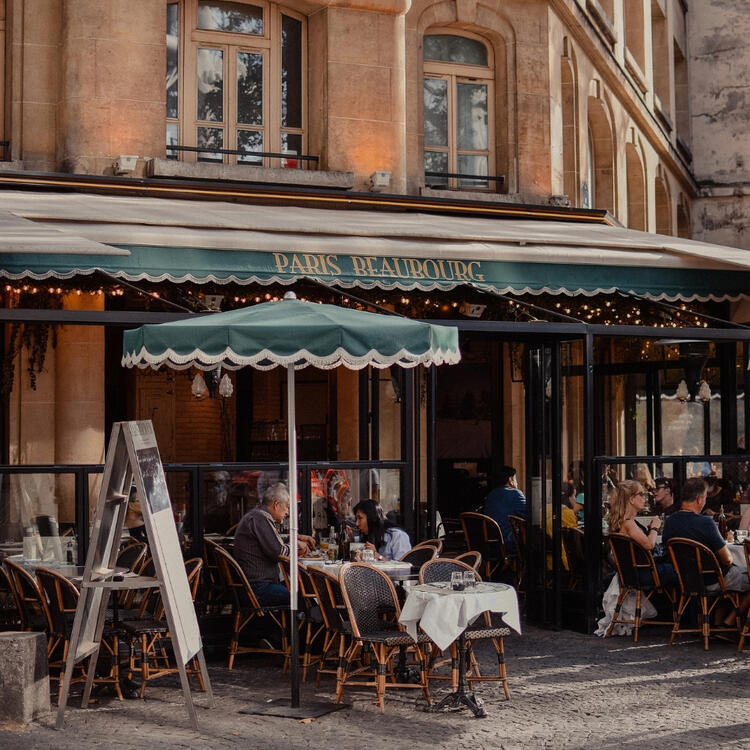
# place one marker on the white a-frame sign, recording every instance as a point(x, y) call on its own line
point(133, 457)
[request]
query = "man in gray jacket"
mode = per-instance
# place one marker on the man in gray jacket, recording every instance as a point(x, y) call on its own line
point(258, 544)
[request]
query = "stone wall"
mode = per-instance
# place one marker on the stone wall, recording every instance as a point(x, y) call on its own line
point(720, 97)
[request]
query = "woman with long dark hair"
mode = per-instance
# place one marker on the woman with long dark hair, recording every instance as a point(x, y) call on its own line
point(387, 540)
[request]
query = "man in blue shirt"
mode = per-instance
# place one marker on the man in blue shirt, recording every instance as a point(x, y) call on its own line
point(688, 523)
point(506, 500)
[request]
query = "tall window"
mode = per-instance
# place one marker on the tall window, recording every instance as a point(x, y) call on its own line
point(458, 112)
point(235, 80)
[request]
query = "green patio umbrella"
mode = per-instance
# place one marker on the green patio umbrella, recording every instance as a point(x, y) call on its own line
point(291, 334)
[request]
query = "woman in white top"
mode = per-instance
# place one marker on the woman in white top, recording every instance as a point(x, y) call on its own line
point(380, 535)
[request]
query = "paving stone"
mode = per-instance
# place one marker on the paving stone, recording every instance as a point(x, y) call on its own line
point(568, 690)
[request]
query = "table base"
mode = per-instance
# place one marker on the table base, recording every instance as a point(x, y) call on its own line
point(463, 697)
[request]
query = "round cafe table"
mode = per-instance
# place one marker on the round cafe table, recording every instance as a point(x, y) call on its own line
point(444, 615)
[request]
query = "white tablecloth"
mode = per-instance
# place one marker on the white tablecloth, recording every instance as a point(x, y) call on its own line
point(444, 614)
point(738, 555)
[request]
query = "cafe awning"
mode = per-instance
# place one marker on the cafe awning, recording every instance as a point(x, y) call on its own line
point(156, 239)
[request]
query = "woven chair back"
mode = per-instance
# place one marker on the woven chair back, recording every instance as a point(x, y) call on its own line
point(235, 581)
point(418, 556)
point(328, 592)
point(61, 597)
point(29, 599)
point(635, 565)
point(438, 543)
point(370, 599)
point(697, 567)
point(435, 571)
point(131, 556)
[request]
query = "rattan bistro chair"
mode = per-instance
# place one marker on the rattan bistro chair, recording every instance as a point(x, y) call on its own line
point(61, 598)
point(246, 610)
point(473, 558)
point(337, 629)
point(483, 535)
point(438, 543)
point(151, 631)
point(418, 556)
point(29, 600)
point(697, 569)
point(373, 608)
point(311, 627)
point(440, 570)
point(518, 531)
point(633, 565)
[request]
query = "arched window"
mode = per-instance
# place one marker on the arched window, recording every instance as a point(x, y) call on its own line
point(235, 80)
point(663, 205)
point(636, 188)
point(458, 112)
point(570, 129)
point(602, 157)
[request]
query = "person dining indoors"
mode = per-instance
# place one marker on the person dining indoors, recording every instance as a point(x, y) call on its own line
point(381, 535)
point(664, 497)
point(690, 523)
point(506, 500)
point(626, 501)
point(258, 545)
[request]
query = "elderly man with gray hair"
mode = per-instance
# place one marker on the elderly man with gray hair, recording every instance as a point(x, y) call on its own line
point(258, 544)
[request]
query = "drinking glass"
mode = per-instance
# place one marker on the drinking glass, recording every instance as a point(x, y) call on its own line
point(368, 555)
point(457, 581)
point(470, 580)
point(740, 536)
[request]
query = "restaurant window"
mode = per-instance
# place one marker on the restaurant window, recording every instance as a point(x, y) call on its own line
point(458, 112)
point(235, 80)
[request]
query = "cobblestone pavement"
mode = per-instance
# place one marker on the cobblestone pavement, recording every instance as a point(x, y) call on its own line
point(568, 690)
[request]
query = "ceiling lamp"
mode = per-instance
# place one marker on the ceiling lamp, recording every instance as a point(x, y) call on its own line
point(682, 391)
point(199, 388)
point(704, 392)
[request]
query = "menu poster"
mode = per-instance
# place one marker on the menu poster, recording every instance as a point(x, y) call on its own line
point(148, 474)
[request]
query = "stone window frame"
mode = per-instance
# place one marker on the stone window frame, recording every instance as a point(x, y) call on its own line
point(455, 72)
point(269, 44)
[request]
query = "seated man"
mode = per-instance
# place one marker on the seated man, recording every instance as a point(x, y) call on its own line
point(257, 546)
point(506, 500)
point(663, 497)
point(689, 523)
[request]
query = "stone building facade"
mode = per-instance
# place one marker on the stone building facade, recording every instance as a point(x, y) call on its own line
point(575, 101)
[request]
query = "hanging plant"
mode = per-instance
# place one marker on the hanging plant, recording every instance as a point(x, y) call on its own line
point(34, 338)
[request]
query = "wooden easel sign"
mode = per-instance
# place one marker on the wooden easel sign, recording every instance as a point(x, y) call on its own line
point(133, 457)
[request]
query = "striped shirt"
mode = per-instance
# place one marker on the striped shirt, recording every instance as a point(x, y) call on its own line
point(257, 546)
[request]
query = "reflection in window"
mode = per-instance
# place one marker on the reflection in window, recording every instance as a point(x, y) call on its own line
point(249, 88)
point(210, 85)
point(173, 41)
point(457, 49)
point(210, 139)
point(457, 112)
point(291, 72)
point(235, 17)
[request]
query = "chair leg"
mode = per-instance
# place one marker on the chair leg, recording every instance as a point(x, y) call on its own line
point(616, 614)
point(705, 622)
point(454, 667)
point(678, 612)
point(500, 648)
point(380, 655)
point(234, 639)
point(637, 617)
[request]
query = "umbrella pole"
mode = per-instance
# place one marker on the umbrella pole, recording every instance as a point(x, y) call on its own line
point(293, 515)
